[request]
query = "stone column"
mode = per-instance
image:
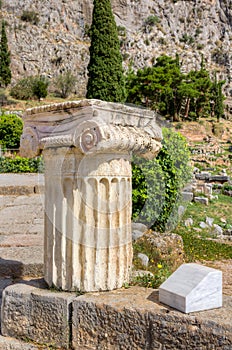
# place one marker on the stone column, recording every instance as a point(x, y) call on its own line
point(87, 147)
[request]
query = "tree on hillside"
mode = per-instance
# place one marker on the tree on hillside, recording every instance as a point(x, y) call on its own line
point(5, 72)
point(156, 87)
point(65, 83)
point(106, 81)
point(175, 95)
point(217, 98)
point(195, 94)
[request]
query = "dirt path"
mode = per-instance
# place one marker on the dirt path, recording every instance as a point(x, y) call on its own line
point(226, 267)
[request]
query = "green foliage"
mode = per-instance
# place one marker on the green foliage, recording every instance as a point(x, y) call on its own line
point(29, 88)
point(157, 183)
point(23, 89)
point(187, 39)
point(40, 87)
point(5, 72)
point(204, 249)
point(21, 165)
point(226, 187)
point(165, 89)
point(11, 127)
point(106, 80)
point(30, 16)
point(121, 31)
point(152, 281)
point(217, 106)
point(65, 84)
point(156, 87)
point(150, 21)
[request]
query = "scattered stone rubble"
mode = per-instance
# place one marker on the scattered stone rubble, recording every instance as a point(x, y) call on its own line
point(201, 188)
point(216, 231)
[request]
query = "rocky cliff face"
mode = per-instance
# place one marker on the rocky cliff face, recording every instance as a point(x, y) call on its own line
point(148, 28)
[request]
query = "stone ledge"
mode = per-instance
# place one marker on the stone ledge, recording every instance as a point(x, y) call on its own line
point(12, 344)
point(122, 319)
point(21, 261)
point(39, 315)
point(21, 190)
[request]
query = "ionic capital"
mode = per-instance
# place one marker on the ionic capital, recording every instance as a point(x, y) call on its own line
point(91, 126)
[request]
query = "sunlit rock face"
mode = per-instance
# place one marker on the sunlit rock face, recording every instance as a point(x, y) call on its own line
point(59, 41)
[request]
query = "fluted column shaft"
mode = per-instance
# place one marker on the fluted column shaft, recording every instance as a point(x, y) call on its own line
point(87, 220)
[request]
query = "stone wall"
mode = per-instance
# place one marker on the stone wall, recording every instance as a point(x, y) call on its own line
point(123, 319)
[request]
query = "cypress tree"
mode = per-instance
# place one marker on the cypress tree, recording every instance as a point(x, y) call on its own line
point(218, 98)
point(5, 72)
point(106, 80)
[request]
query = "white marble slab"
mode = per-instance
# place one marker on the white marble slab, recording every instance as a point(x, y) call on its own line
point(192, 287)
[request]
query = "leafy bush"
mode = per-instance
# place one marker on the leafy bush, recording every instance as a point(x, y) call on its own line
point(65, 84)
point(30, 16)
point(151, 20)
point(157, 183)
point(29, 88)
point(226, 187)
point(187, 39)
point(11, 127)
point(21, 165)
point(23, 90)
point(40, 87)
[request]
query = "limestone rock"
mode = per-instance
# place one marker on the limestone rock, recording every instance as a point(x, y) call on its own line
point(201, 200)
point(203, 225)
point(209, 221)
point(138, 230)
point(60, 41)
point(217, 230)
point(188, 222)
point(144, 259)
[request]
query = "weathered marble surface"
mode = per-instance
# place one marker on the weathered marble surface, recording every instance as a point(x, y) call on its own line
point(192, 287)
point(91, 126)
point(87, 147)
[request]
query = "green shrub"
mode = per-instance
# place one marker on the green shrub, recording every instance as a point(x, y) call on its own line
point(65, 84)
point(40, 87)
point(157, 183)
point(23, 90)
point(121, 31)
point(187, 39)
point(29, 88)
point(11, 127)
point(151, 20)
point(30, 16)
point(226, 187)
point(21, 165)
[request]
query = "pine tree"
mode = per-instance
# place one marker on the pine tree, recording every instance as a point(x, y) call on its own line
point(106, 80)
point(5, 72)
